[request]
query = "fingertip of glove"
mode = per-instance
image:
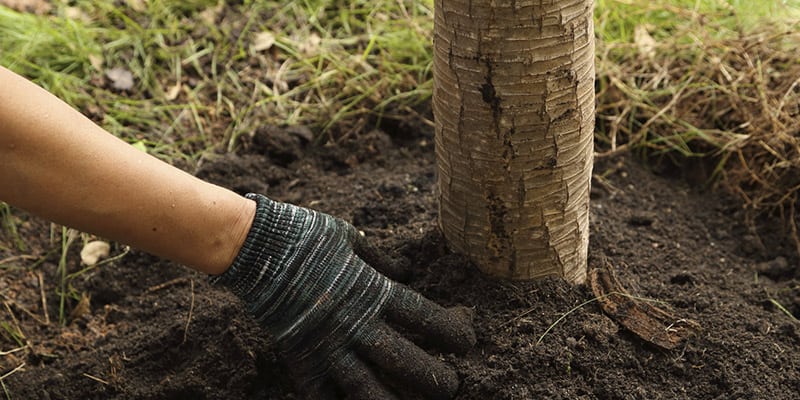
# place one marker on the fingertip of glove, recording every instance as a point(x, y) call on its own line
point(463, 337)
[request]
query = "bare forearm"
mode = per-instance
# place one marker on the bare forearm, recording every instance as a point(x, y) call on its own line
point(57, 164)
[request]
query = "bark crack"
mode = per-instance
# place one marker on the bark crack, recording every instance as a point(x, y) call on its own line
point(489, 96)
point(499, 242)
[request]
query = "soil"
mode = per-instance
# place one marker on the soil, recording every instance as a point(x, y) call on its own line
point(156, 330)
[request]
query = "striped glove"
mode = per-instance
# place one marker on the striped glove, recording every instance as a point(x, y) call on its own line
point(304, 275)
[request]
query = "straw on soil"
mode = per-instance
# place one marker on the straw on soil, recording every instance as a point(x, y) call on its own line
point(733, 100)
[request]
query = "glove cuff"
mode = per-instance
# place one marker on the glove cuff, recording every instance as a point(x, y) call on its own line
point(276, 228)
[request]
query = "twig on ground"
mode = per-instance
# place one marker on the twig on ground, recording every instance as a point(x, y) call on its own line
point(6, 375)
point(24, 310)
point(166, 284)
point(565, 315)
point(16, 258)
point(12, 351)
point(44, 297)
point(96, 379)
point(12, 372)
point(189, 317)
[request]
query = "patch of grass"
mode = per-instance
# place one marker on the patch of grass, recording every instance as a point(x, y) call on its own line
point(678, 20)
point(199, 81)
point(337, 66)
point(54, 52)
point(64, 289)
point(9, 328)
point(10, 238)
point(710, 80)
point(70, 52)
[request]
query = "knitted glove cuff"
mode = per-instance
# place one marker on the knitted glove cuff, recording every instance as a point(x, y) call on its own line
point(276, 228)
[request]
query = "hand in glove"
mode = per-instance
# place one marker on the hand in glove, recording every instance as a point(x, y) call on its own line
point(304, 276)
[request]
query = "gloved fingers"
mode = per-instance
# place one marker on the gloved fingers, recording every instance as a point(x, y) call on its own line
point(378, 259)
point(407, 364)
point(357, 381)
point(449, 329)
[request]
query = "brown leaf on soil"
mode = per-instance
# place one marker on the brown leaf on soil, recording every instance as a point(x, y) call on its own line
point(263, 41)
point(82, 308)
point(654, 325)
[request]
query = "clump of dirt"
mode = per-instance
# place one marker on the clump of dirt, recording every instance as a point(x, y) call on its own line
point(157, 330)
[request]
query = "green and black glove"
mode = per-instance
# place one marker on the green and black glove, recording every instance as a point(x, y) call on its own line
point(304, 275)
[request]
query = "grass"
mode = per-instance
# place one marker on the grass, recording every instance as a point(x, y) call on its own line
point(335, 66)
point(12, 241)
point(199, 82)
point(709, 80)
point(64, 290)
point(617, 20)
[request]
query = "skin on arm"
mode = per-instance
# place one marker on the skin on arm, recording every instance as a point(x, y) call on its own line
point(58, 164)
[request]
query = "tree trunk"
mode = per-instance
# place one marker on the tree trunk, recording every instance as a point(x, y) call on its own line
point(514, 106)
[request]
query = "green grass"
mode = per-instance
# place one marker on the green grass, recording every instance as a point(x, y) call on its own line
point(617, 19)
point(10, 239)
point(199, 83)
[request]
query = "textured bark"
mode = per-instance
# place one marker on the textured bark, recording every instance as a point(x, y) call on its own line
point(514, 107)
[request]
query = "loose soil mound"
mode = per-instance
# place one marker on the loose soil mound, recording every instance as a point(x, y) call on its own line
point(156, 330)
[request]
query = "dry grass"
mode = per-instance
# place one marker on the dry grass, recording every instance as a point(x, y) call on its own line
point(727, 96)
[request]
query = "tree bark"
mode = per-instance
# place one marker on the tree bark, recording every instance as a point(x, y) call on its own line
point(514, 107)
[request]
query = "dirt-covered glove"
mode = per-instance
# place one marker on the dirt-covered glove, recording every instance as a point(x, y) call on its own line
point(304, 275)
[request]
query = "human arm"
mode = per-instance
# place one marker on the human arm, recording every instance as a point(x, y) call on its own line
point(58, 164)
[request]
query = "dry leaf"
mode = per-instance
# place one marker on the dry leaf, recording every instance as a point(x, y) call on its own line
point(210, 14)
point(94, 251)
point(311, 45)
point(173, 91)
point(645, 42)
point(83, 307)
point(77, 14)
point(136, 5)
point(121, 78)
point(263, 41)
point(97, 61)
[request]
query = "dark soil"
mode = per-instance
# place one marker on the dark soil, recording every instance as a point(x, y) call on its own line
point(156, 330)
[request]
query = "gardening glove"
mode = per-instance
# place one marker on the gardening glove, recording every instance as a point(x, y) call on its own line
point(302, 274)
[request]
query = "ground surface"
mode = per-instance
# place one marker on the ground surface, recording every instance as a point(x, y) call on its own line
point(155, 330)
